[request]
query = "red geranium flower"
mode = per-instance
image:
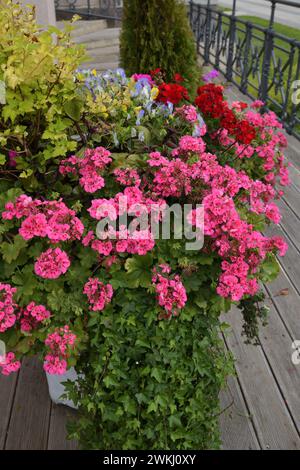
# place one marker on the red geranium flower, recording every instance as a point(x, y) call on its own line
point(155, 72)
point(172, 92)
point(178, 78)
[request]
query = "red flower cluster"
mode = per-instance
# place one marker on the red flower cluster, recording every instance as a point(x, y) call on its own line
point(169, 92)
point(172, 92)
point(211, 102)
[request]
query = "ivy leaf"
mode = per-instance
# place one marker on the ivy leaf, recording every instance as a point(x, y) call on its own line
point(174, 421)
point(152, 407)
point(156, 374)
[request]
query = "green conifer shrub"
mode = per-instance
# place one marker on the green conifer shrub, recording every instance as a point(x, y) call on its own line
point(156, 33)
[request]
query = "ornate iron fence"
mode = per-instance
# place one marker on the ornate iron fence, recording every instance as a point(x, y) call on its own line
point(261, 62)
point(90, 9)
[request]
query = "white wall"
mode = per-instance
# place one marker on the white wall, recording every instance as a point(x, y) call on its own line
point(45, 11)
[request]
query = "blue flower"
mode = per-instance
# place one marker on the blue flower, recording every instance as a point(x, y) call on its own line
point(139, 117)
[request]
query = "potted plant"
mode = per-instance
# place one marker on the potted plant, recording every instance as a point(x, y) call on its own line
point(130, 220)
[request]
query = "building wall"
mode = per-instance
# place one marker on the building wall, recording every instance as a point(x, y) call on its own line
point(45, 10)
point(93, 3)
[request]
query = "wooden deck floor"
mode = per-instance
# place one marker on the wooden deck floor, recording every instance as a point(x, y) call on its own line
point(262, 403)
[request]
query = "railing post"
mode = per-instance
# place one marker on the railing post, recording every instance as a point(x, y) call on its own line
point(232, 31)
point(219, 32)
point(244, 80)
point(191, 13)
point(272, 17)
point(268, 44)
point(207, 33)
point(198, 27)
point(284, 112)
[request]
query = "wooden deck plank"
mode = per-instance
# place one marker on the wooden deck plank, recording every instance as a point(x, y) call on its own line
point(290, 223)
point(292, 152)
point(294, 173)
point(29, 424)
point(274, 426)
point(236, 425)
point(277, 346)
point(57, 440)
point(291, 198)
point(287, 304)
point(7, 392)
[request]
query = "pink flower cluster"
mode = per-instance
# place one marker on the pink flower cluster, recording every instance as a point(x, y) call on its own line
point(127, 176)
point(223, 190)
point(8, 307)
point(32, 315)
point(90, 168)
point(52, 263)
point(51, 219)
point(241, 248)
point(187, 144)
point(171, 293)
point(257, 195)
point(99, 294)
point(133, 239)
point(60, 343)
point(188, 113)
point(9, 364)
point(143, 76)
point(174, 177)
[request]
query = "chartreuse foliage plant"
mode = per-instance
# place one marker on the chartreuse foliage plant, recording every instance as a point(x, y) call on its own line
point(40, 104)
point(156, 33)
point(137, 316)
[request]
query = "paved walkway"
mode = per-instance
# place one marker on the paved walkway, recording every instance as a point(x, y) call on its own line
point(289, 16)
point(262, 404)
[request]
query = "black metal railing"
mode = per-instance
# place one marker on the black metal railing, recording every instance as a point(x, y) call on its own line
point(110, 10)
point(263, 63)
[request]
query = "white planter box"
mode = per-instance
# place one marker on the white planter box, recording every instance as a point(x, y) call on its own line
point(57, 389)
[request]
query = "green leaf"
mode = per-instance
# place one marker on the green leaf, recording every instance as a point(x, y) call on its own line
point(11, 251)
point(269, 269)
point(26, 173)
point(139, 269)
point(156, 373)
point(73, 109)
point(174, 421)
